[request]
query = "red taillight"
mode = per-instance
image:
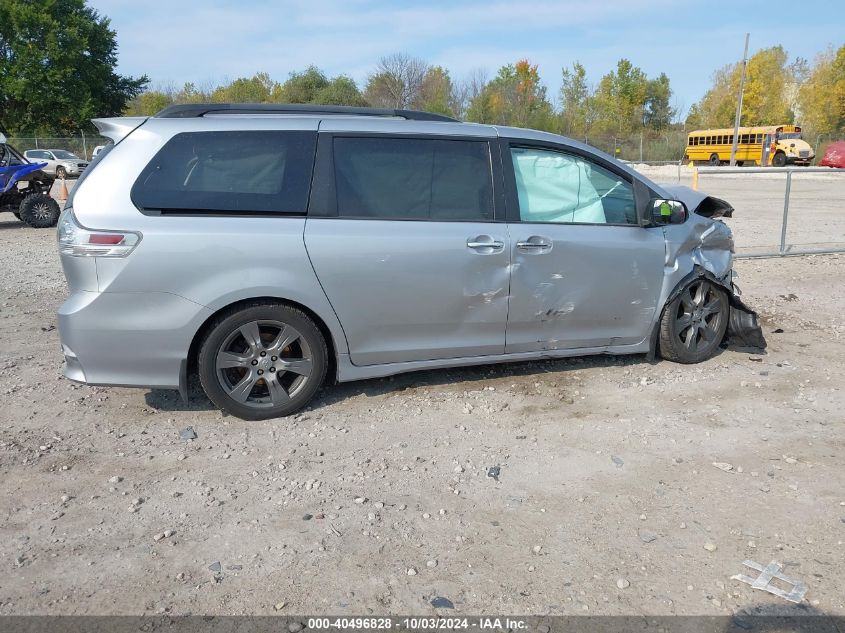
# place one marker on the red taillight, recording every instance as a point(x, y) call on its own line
point(78, 241)
point(112, 239)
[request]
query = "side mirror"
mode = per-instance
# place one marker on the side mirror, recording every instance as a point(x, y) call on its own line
point(667, 211)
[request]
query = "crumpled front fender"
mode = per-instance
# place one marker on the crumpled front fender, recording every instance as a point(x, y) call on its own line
point(700, 242)
point(702, 247)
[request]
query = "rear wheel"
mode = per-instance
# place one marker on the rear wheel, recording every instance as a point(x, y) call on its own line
point(39, 211)
point(694, 323)
point(263, 361)
point(714, 160)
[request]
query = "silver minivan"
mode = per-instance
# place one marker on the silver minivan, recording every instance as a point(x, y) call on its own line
point(268, 249)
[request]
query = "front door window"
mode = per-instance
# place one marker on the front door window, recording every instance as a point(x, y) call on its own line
point(566, 189)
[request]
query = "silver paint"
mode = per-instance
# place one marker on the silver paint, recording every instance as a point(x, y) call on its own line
point(394, 296)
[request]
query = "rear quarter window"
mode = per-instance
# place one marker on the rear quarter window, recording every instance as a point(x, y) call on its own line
point(413, 179)
point(255, 171)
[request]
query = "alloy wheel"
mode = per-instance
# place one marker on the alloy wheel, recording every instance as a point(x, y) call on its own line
point(699, 314)
point(264, 363)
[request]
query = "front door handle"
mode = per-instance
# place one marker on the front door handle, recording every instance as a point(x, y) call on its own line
point(485, 243)
point(535, 244)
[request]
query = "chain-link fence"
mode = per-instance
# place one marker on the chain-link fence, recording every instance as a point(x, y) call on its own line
point(82, 145)
point(646, 147)
point(781, 210)
point(669, 146)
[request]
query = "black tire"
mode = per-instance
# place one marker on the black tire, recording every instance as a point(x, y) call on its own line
point(61, 172)
point(247, 379)
point(39, 211)
point(714, 160)
point(779, 160)
point(694, 323)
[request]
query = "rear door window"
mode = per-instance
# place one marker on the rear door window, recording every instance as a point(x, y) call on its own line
point(413, 179)
point(256, 171)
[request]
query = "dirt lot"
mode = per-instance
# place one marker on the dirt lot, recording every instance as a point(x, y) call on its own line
point(376, 499)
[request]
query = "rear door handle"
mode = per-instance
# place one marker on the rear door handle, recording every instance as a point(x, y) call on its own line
point(535, 244)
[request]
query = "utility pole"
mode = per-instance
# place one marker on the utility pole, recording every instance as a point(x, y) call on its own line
point(739, 102)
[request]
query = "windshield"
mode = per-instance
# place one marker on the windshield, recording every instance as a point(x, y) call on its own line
point(790, 135)
point(62, 154)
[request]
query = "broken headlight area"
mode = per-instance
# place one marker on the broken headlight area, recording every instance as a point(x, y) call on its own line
point(700, 203)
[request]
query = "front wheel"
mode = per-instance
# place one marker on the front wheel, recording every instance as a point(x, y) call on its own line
point(779, 160)
point(61, 172)
point(39, 211)
point(694, 323)
point(263, 361)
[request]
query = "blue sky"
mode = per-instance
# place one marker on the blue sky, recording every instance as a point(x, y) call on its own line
point(210, 41)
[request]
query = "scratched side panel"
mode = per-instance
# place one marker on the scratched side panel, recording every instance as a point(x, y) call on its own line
point(411, 291)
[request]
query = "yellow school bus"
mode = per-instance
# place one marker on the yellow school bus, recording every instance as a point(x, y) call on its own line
point(776, 145)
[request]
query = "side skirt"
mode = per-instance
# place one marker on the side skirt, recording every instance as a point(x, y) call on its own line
point(346, 371)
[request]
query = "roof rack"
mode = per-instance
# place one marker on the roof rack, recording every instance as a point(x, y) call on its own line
point(196, 110)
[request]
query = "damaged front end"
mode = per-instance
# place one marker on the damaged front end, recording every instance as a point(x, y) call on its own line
point(703, 247)
point(743, 325)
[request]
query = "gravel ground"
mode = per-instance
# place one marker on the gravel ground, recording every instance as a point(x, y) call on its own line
point(377, 499)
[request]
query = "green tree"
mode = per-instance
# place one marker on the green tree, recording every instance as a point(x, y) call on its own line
point(341, 90)
point(822, 97)
point(312, 86)
point(302, 87)
point(717, 107)
point(576, 102)
point(57, 67)
point(256, 89)
point(148, 103)
point(437, 94)
point(694, 118)
point(620, 99)
point(514, 97)
point(766, 98)
point(191, 93)
point(658, 113)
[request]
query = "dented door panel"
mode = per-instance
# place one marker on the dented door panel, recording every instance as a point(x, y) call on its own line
point(412, 291)
point(597, 285)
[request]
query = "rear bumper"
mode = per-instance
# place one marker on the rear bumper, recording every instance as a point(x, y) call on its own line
point(138, 339)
